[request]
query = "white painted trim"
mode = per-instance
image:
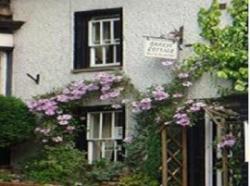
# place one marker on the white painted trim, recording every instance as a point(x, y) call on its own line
point(101, 125)
point(115, 151)
point(3, 73)
point(90, 151)
point(208, 151)
point(219, 173)
point(6, 40)
point(247, 141)
point(247, 145)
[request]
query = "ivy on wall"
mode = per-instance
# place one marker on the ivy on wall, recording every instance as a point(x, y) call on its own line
point(224, 51)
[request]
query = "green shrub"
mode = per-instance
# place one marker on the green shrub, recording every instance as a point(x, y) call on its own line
point(62, 164)
point(16, 122)
point(104, 170)
point(144, 153)
point(138, 180)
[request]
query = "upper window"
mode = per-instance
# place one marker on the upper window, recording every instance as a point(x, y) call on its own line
point(98, 38)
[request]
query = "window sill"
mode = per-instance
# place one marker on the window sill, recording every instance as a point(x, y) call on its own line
point(97, 69)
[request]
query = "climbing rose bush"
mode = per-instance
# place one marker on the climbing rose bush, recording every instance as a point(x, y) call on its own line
point(57, 121)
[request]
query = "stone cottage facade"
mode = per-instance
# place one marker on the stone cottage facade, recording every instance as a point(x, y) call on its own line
point(66, 40)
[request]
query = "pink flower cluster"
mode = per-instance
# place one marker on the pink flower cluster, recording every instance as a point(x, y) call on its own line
point(75, 91)
point(159, 94)
point(181, 116)
point(144, 104)
point(182, 119)
point(106, 81)
point(46, 106)
point(64, 119)
point(196, 106)
point(228, 141)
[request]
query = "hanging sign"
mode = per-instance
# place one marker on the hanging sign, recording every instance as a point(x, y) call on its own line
point(161, 48)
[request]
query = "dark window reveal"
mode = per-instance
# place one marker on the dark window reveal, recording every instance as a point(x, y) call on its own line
point(98, 38)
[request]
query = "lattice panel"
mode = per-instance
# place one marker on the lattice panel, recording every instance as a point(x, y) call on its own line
point(175, 156)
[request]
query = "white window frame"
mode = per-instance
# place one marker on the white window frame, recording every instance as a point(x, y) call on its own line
point(103, 141)
point(3, 72)
point(113, 42)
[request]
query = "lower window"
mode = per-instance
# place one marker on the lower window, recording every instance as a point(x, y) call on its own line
point(105, 132)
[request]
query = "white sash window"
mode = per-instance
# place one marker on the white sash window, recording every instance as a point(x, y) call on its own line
point(104, 41)
point(104, 131)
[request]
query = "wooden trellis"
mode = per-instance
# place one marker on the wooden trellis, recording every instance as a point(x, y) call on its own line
point(174, 156)
point(227, 122)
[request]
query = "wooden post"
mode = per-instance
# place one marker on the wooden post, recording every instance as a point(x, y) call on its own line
point(184, 156)
point(225, 167)
point(164, 157)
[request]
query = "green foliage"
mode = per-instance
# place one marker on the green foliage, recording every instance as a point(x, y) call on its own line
point(61, 164)
point(16, 122)
point(138, 180)
point(104, 170)
point(226, 52)
point(144, 153)
point(5, 175)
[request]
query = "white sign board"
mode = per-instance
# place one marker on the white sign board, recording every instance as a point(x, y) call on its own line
point(161, 48)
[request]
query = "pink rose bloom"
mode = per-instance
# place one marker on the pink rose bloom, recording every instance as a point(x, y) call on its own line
point(64, 117)
point(50, 112)
point(159, 94)
point(62, 98)
point(228, 141)
point(136, 107)
point(92, 87)
point(145, 104)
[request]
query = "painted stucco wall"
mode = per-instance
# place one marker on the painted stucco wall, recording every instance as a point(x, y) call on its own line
point(44, 44)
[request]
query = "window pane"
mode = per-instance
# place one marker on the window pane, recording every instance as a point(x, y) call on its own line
point(106, 32)
point(118, 53)
point(96, 33)
point(117, 30)
point(98, 55)
point(94, 125)
point(109, 150)
point(118, 132)
point(109, 54)
point(97, 150)
point(107, 125)
point(118, 119)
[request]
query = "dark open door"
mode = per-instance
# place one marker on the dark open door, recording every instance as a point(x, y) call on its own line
point(4, 157)
point(196, 154)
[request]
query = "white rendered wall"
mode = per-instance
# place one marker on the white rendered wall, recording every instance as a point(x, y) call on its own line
point(44, 44)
